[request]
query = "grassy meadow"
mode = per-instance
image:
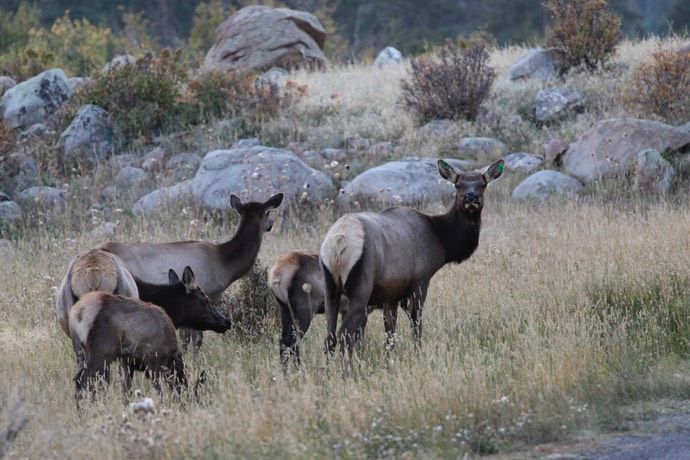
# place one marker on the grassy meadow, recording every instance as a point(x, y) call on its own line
point(567, 313)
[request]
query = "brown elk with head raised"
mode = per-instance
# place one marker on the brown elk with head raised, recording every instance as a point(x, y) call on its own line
point(216, 265)
point(107, 327)
point(296, 281)
point(375, 258)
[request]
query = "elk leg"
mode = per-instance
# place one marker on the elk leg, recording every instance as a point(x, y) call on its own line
point(331, 308)
point(416, 301)
point(126, 374)
point(390, 318)
point(193, 337)
point(353, 324)
point(294, 325)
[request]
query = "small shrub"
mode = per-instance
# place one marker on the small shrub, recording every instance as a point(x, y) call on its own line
point(8, 140)
point(662, 85)
point(452, 87)
point(584, 29)
point(26, 62)
point(269, 100)
point(141, 98)
point(252, 306)
point(216, 94)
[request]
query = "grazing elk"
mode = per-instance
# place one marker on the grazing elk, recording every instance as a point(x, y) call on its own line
point(142, 336)
point(216, 265)
point(375, 258)
point(296, 281)
point(92, 270)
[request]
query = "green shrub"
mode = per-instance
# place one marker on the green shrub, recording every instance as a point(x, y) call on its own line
point(26, 62)
point(142, 97)
point(15, 27)
point(79, 47)
point(207, 17)
point(661, 86)
point(451, 87)
point(216, 94)
point(584, 29)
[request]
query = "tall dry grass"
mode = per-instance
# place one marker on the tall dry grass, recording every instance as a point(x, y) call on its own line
point(566, 313)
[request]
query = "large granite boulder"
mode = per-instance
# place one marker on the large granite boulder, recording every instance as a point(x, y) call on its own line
point(611, 147)
point(408, 182)
point(258, 38)
point(542, 64)
point(88, 140)
point(254, 174)
point(35, 100)
point(545, 185)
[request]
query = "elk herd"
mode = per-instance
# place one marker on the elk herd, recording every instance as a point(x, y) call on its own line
point(125, 302)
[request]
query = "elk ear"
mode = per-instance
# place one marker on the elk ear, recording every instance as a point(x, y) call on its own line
point(274, 201)
point(447, 171)
point(235, 202)
point(494, 171)
point(188, 277)
point(172, 277)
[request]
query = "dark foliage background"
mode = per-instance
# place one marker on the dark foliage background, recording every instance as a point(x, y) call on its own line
point(358, 29)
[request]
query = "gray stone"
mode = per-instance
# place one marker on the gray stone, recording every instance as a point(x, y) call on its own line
point(653, 174)
point(118, 61)
point(88, 140)
point(35, 100)
point(256, 173)
point(611, 147)
point(408, 182)
point(166, 199)
point(546, 185)
point(525, 162)
point(388, 56)
point(182, 166)
point(17, 172)
point(154, 160)
point(48, 200)
point(131, 178)
point(555, 104)
point(543, 64)
point(482, 149)
point(10, 215)
point(257, 38)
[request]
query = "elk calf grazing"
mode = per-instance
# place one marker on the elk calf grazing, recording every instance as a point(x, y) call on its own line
point(106, 327)
point(216, 265)
point(296, 281)
point(376, 258)
point(92, 270)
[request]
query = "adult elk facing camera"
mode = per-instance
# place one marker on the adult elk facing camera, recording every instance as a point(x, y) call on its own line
point(107, 327)
point(375, 258)
point(296, 281)
point(216, 265)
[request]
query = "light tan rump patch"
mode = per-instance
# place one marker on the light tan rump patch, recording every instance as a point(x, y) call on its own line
point(94, 271)
point(343, 246)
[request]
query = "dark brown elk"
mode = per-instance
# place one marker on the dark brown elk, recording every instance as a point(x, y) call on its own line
point(296, 281)
point(376, 258)
point(92, 270)
point(142, 336)
point(216, 265)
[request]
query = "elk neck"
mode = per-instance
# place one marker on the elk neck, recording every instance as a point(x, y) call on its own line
point(241, 250)
point(458, 233)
